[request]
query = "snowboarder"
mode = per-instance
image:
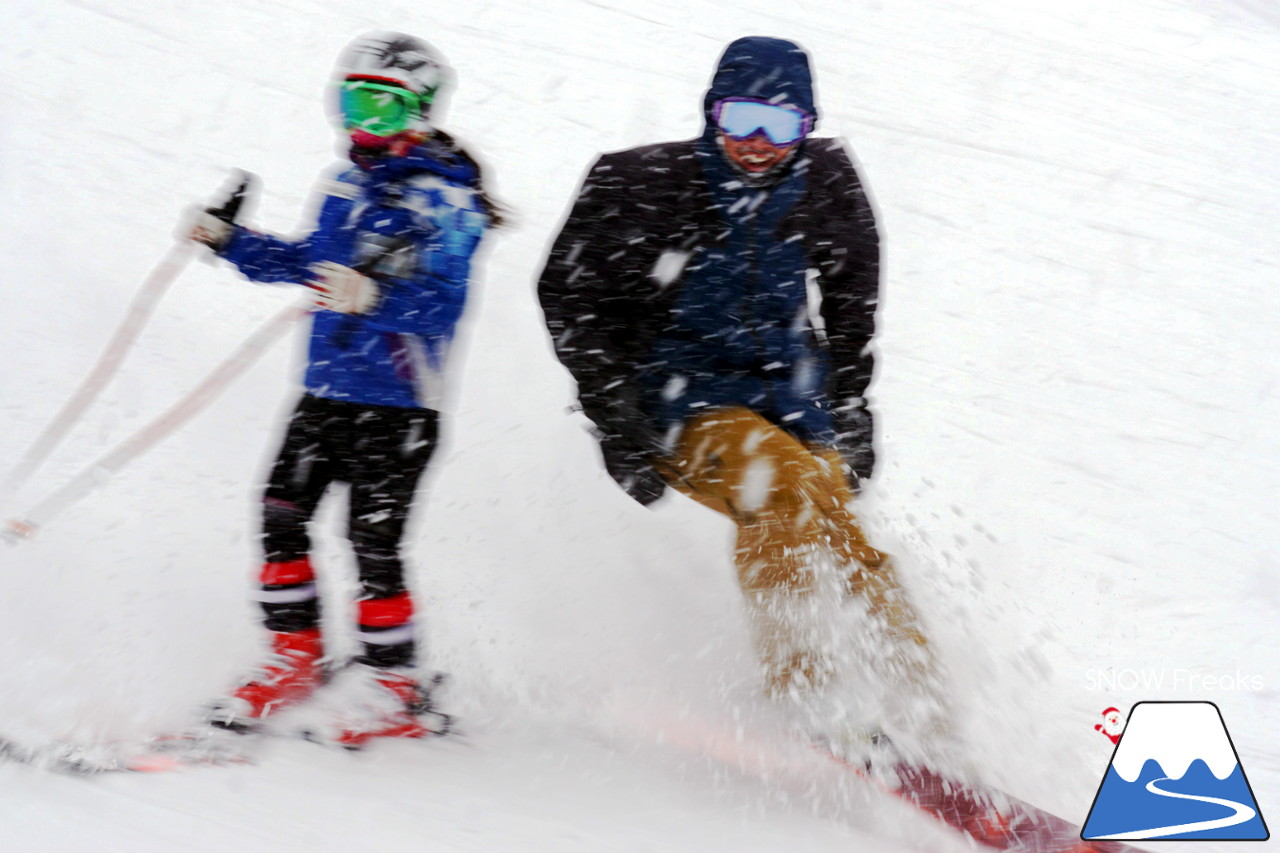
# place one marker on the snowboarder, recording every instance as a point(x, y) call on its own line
point(389, 258)
point(715, 300)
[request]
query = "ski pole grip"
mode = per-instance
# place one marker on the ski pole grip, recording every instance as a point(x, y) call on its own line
point(230, 208)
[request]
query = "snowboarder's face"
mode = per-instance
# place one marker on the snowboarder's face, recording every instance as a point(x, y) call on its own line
point(755, 154)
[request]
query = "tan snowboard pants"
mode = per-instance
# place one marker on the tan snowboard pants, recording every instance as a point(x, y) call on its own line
point(791, 506)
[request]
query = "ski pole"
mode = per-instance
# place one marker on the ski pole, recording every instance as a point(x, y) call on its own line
point(140, 310)
point(117, 348)
point(26, 526)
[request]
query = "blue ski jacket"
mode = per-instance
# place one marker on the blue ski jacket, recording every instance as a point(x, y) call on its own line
point(413, 223)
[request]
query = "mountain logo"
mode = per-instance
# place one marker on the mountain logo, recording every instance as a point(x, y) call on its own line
point(1175, 775)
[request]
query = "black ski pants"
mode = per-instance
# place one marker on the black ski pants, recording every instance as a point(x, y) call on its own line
point(380, 452)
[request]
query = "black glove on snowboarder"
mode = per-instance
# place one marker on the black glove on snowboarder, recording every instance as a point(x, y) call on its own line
point(855, 435)
point(627, 439)
point(631, 469)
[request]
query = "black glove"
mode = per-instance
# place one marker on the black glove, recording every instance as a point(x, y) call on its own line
point(855, 439)
point(629, 466)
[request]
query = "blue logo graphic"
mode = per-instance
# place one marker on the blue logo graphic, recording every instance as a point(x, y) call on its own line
point(1175, 775)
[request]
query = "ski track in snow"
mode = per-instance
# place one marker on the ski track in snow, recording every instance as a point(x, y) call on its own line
point(1078, 385)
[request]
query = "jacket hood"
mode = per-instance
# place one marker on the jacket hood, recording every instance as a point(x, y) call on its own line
point(762, 67)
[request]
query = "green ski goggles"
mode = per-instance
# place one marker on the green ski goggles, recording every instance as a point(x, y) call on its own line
point(379, 109)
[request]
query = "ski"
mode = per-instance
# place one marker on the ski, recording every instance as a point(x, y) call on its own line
point(197, 748)
point(169, 752)
point(990, 817)
point(210, 744)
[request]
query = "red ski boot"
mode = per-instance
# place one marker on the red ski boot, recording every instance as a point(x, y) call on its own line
point(363, 702)
point(290, 674)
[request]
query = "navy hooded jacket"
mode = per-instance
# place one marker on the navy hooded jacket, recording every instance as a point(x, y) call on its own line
point(678, 284)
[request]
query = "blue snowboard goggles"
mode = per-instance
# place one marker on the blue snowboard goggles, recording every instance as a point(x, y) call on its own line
point(741, 118)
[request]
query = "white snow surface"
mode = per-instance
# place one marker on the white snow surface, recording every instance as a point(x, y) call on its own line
point(1174, 734)
point(1078, 391)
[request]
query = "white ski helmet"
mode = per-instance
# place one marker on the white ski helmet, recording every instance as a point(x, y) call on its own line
point(391, 57)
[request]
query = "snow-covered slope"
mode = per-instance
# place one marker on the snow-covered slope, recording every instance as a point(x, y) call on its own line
point(1078, 389)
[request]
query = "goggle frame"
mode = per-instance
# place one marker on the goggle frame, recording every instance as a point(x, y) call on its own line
point(798, 121)
point(371, 119)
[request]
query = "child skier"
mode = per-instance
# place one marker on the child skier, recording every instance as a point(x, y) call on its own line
point(390, 259)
